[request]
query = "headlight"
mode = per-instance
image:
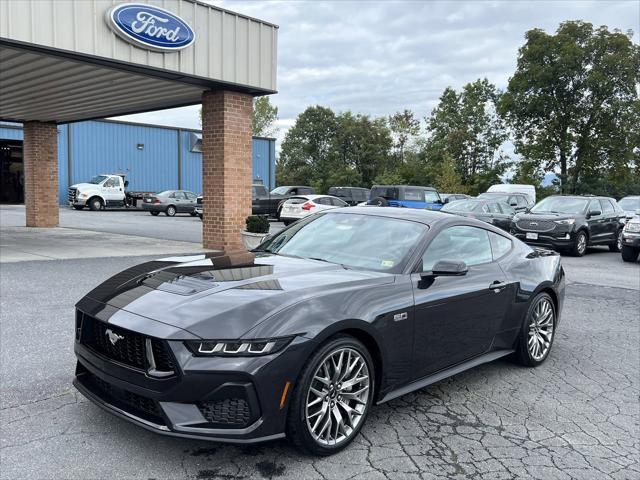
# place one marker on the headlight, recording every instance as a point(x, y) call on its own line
point(568, 221)
point(632, 227)
point(237, 348)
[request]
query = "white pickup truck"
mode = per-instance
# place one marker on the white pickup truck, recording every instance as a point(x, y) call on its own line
point(103, 191)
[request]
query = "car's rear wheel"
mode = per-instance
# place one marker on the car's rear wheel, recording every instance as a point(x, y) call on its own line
point(536, 336)
point(579, 245)
point(380, 202)
point(170, 211)
point(155, 214)
point(617, 246)
point(630, 254)
point(332, 398)
point(78, 207)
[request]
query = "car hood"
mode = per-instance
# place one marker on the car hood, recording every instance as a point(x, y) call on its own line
point(214, 297)
point(544, 216)
point(81, 186)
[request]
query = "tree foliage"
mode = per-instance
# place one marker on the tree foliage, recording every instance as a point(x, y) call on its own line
point(573, 105)
point(264, 117)
point(404, 127)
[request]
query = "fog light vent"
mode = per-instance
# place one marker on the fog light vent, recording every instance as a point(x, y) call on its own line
point(230, 411)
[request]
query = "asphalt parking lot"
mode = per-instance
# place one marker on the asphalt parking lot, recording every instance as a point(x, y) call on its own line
point(575, 417)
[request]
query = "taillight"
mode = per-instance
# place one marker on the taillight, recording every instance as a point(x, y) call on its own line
point(156, 200)
point(308, 206)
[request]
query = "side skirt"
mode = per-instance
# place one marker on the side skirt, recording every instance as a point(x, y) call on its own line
point(446, 373)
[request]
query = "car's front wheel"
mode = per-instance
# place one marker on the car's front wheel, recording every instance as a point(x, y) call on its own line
point(630, 254)
point(580, 244)
point(332, 397)
point(536, 336)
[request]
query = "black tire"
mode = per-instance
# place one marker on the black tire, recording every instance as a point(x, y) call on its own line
point(155, 214)
point(379, 201)
point(171, 211)
point(78, 207)
point(522, 354)
point(193, 214)
point(298, 431)
point(630, 254)
point(200, 216)
point(95, 204)
point(578, 249)
point(617, 246)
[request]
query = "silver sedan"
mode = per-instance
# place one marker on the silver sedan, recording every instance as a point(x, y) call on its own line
point(170, 202)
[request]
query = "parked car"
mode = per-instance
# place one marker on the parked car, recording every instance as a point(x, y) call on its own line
point(452, 197)
point(351, 195)
point(198, 208)
point(407, 196)
point(341, 311)
point(528, 190)
point(571, 223)
point(299, 207)
point(520, 202)
point(631, 240)
point(270, 203)
point(170, 202)
point(497, 213)
point(103, 191)
point(630, 205)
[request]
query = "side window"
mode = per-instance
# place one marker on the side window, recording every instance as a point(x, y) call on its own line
point(304, 191)
point(323, 201)
point(112, 182)
point(513, 201)
point(506, 209)
point(190, 195)
point(413, 195)
point(462, 243)
point(172, 195)
point(606, 206)
point(493, 207)
point(522, 201)
point(499, 245)
point(594, 206)
point(336, 202)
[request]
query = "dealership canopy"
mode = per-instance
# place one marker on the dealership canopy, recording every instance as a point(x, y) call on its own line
point(70, 60)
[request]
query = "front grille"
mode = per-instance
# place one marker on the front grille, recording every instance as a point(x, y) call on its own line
point(199, 200)
point(536, 225)
point(132, 402)
point(230, 411)
point(73, 192)
point(129, 348)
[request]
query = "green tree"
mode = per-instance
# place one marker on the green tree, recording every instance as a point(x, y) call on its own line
point(264, 117)
point(404, 127)
point(447, 177)
point(466, 128)
point(573, 104)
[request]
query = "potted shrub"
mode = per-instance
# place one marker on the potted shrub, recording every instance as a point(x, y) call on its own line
point(257, 230)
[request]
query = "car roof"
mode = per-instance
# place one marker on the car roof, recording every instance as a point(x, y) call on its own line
point(427, 217)
point(585, 197)
point(404, 186)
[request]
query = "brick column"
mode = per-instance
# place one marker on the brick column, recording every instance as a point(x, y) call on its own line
point(40, 152)
point(226, 168)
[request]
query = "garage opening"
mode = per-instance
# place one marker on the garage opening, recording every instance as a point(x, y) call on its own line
point(11, 172)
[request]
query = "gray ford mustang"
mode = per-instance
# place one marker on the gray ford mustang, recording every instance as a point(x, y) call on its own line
point(338, 312)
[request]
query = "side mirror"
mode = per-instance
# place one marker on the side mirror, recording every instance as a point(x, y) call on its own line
point(446, 200)
point(447, 268)
point(126, 183)
point(594, 213)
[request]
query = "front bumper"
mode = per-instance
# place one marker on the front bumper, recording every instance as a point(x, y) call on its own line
point(631, 239)
point(556, 240)
point(202, 399)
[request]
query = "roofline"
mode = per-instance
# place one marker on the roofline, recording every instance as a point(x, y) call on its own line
point(231, 12)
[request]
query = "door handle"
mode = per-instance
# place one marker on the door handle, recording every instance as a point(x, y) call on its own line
point(497, 286)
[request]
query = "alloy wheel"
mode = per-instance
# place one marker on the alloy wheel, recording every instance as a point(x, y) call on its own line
point(541, 327)
point(582, 243)
point(619, 241)
point(338, 396)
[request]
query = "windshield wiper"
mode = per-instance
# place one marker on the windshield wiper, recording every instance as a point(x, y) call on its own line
point(328, 261)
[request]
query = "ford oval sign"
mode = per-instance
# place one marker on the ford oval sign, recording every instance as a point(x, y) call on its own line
point(150, 27)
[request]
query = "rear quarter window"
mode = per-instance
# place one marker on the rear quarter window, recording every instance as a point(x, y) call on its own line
point(500, 245)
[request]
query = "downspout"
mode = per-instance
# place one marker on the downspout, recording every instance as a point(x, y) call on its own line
point(179, 159)
point(69, 156)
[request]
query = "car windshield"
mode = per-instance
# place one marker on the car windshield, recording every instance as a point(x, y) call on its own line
point(279, 190)
point(630, 204)
point(462, 206)
point(352, 240)
point(561, 205)
point(98, 179)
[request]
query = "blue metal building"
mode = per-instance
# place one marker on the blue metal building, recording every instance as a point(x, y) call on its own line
point(154, 157)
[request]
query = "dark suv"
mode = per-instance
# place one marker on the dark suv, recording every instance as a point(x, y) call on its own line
point(571, 223)
point(520, 202)
point(351, 195)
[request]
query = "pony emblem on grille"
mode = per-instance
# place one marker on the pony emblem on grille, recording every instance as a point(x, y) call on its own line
point(113, 337)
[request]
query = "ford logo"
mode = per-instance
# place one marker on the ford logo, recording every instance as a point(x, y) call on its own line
point(150, 27)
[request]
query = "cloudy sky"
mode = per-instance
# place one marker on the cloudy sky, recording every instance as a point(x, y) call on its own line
point(381, 57)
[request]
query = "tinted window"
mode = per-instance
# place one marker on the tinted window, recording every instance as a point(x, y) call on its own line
point(462, 206)
point(280, 191)
point(305, 191)
point(606, 206)
point(507, 209)
point(323, 201)
point(336, 202)
point(462, 243)
point(594, 206)
point(390, 193)
point(499, 245)
point(362, 195)
point(259, 191)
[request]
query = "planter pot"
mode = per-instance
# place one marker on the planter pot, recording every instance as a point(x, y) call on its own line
point(252, 240)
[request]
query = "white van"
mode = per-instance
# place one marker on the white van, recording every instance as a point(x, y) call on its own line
point(514, 188)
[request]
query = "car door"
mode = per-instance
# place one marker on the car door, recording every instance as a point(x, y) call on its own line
point(610, 218)
point(112, 190)
point(596, 223)
point(191, 201)
point(456, 317)
point(507, 216)
point(260, 200)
